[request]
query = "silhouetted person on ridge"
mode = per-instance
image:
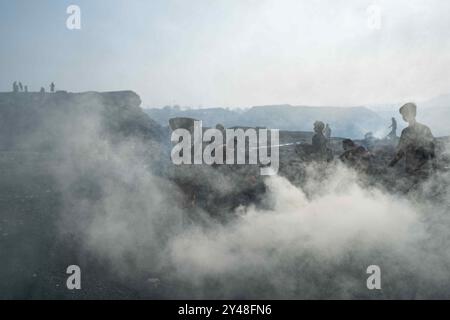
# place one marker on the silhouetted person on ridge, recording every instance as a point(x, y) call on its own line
point(26, 88)
point(393, 127)
point(52, 87)
point(15, 87)
point(222, 129)
point(42, 90)
point(20, 86)
point(416, 143)
point(327, 131)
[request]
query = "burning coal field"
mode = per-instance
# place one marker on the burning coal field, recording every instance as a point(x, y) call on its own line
point(91, 184)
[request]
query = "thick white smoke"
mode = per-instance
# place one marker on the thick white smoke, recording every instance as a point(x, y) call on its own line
point(313, 241)
point(304, 247)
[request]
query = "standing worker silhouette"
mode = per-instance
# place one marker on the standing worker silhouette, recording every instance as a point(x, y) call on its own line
point(393, 127)
point(416, 143)
point(319, 145)
point(327, 131)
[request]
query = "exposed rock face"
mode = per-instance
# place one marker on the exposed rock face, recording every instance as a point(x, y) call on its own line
point(45, 115)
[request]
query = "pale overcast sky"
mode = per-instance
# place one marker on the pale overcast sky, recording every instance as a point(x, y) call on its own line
point(232, 53)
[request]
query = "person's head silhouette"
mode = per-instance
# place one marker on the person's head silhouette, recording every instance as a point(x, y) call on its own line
point(319, 126)
point(408, 112)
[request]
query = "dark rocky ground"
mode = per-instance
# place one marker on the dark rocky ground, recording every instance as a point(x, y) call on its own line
point(34, 149)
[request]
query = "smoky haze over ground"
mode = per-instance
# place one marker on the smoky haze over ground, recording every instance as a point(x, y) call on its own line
point(86, 179)
point(298, 247)
point(120, 215)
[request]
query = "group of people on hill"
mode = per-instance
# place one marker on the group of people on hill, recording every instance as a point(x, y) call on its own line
point(416, 145)
point(19, 87)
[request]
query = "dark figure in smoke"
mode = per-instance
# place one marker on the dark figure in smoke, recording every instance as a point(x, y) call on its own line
point(369, 140)
point(354, 155)
point(52, 87)
point(327, 131)
point(222, 129)
point(393, 134)
point(42, 90)
point(26, 88)
point(15, 87)
point(416, 143)
point(20, 86)
point(320, 143)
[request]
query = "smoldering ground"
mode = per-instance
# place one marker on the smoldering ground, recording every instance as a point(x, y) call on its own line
point(122, 217)
point(292, 246)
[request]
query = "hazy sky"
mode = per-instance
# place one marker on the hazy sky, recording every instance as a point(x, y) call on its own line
point(232, 52)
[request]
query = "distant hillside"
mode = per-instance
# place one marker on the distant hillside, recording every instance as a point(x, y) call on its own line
point(439, 101)
point(346, 122)
point(435, 113)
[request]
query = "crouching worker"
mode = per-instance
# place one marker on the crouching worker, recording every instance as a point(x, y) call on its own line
point(355, 156)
